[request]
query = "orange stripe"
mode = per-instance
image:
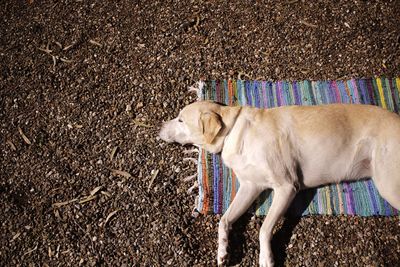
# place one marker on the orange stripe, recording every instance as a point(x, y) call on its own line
point(230, 92)
point(206, 190)
point(233, 192)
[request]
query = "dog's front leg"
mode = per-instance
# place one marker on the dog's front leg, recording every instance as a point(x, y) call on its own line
point(283, 196)
point(245, 196)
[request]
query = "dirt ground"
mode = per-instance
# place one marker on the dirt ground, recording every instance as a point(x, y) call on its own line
point(84, 86)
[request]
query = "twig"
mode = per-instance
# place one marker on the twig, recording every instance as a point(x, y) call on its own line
point(113, 153)
point(308, 24)
point(11, 145)
point(93, 42)
point(24, 136)
point(31, 250)
point(110, 215)
point(60, 204)
point(152, 180)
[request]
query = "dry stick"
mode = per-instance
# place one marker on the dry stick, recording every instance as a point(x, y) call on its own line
point(95, 43)
point(31, 250)
point(122, 173)
point(11, 145)
point(24, 136)
point(60, 204)
point(113, 153)
point(110, 215)
point(152, 180)
point(308, 24)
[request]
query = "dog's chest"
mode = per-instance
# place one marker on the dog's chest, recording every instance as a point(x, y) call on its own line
point(247, 167)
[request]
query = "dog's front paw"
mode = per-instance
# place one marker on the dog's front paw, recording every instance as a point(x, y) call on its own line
point(222, 257)
point(266, 262)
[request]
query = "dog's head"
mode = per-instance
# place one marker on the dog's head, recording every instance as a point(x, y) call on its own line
point(201, 123)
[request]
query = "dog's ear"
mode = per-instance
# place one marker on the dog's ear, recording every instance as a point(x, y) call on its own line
point(210, 124)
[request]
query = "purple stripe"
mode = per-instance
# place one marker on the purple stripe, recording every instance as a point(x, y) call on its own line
point(364, 90)
point(221, 187)
point(297, 98)
point(278, 94)
point(264, 93)
point(215, 184)
point(371, 92)
point(349, 199)
point(372, 197)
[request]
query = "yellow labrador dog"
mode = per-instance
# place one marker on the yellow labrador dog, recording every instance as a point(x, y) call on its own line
point(287, 149)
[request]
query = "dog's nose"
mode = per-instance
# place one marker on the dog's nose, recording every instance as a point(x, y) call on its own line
point(163, 134)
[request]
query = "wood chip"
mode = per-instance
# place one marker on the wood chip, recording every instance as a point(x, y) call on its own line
point(54, 62)
point(94, 191)
point(31, 250)
point(139, 123)
point(68, 47)
point(93, 42)
point(11, 145)
point(308, 24)
point(113, 153)
point(110, 215)
point(24, 136)
point(152, 179)
point(105, 193)
point(58, 44)
point(121, 173)
point(60, 204)
point(66, 60)
point(15, 236)
point(46, 50)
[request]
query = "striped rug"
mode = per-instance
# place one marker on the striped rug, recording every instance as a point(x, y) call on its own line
point(218, 184)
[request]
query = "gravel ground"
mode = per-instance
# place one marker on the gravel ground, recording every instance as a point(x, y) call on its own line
point(84, 86)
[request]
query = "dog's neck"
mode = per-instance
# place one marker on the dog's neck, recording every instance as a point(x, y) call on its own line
point(228, 116)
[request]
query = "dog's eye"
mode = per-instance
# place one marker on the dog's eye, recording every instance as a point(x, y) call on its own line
point(180, 120)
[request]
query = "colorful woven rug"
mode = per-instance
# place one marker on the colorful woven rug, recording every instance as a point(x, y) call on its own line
point(218, 184)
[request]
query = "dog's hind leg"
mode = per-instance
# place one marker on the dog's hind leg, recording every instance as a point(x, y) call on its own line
point(245, 196)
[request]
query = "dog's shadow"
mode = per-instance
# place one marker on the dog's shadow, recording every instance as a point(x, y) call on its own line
point(280, 239)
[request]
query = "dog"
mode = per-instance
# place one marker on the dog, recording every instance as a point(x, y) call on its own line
point(291, 148)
